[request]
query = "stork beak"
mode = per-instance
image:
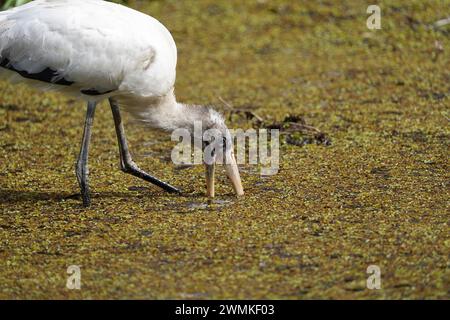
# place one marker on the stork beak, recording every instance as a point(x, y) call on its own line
point(210, 169)
point(233, 174)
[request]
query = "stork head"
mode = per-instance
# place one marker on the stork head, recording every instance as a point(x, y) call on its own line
point(207, 130)
point(217, 144)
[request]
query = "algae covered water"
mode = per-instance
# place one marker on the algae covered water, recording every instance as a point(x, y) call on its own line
point(376, 195)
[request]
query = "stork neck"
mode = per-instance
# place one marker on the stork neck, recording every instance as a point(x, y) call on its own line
point(172, 115)
point(167, 114)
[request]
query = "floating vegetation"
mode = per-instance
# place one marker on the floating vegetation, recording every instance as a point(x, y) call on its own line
point(378, 195)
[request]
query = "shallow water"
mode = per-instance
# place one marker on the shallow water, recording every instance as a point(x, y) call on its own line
point(377, 195)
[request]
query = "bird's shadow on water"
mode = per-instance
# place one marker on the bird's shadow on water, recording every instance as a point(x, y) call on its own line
point(9, 196)
point(189, 200)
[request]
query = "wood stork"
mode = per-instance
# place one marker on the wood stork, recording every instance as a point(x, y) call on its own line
point(98, 50)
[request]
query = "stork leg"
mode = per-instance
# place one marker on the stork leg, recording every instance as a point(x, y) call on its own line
point(126, 162)
point(82, 170)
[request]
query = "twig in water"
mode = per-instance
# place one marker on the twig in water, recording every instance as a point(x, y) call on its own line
point(440, 23)
point(249, 114)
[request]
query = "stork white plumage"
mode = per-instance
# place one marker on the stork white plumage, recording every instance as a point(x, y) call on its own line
point(100, 50)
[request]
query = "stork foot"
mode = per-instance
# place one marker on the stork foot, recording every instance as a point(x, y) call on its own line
point(81, 169)
point(86, 198)
point(132, 168)
point(82, 177)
